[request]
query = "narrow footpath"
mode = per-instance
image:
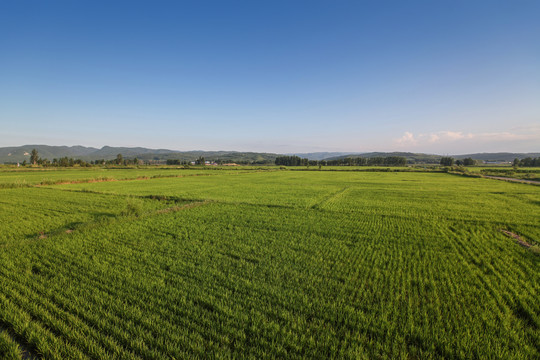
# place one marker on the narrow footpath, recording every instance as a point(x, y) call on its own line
point(512, 179)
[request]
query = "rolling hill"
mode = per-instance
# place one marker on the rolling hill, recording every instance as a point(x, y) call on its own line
point(11, 155)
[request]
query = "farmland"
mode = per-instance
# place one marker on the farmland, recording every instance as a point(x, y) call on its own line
point(245, 263)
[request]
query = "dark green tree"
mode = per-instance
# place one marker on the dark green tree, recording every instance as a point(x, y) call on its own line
point(200, 160)
point(34, 156)
point(291, 161)
point(447, 161)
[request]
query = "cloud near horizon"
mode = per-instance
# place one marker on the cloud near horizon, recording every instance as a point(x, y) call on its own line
point(436, 140)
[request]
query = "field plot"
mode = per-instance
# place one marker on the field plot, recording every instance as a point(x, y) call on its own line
point(30, 213)
point(24, 177)
point(281, 264)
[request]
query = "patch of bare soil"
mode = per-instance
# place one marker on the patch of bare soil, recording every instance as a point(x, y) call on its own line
point(516, 237)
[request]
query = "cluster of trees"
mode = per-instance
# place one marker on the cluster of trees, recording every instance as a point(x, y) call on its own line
point(118, 161)
point(70, 162)
point(62, 162)
point(65, 161)
point(348, 161)
point(200, 161)
point(291, 161)
point(177, 162)
point(527, 162)
point(449, 161)
point(466, 162)
point(372, 161)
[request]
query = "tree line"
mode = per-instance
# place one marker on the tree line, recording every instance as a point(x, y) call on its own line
point(285, 160)
point(527, 162)
point(201, 160)
point(450, 161)
point(35, 159)
point(294, 160)
point(65, 161)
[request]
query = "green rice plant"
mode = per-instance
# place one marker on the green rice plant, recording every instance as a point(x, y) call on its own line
point(282, 264)
point(9, 349)
point(134, 207)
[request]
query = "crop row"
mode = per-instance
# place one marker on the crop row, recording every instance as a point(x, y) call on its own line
point(124, 290)
point(335, 265)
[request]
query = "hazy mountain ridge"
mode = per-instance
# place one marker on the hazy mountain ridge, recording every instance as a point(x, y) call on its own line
point(500, 156)
point(422, 157)
point(19, 153)
point(110, 152)
point(16, 154)
point(411, 157)
point(323, 155)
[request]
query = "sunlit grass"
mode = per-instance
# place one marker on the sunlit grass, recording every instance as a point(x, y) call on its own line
point(280, 264)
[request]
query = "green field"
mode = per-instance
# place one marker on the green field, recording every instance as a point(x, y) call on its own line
point(14, 177)
point(199, 263)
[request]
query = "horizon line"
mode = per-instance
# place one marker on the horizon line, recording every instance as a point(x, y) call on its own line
point(283, 153)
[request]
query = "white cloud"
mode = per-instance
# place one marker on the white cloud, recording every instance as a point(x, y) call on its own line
point(453, 135)
point(407, 138)
point(433, 138)
point(459, 139)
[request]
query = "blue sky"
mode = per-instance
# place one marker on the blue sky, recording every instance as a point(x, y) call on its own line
point(447, 77)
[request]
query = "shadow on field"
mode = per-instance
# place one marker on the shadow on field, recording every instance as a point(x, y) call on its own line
point(418, 342)
point(525, 316)
point(98, 216)
point(26, 350)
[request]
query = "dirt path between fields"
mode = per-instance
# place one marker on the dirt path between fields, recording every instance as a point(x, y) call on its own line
point(523, 181)
point(517, 238)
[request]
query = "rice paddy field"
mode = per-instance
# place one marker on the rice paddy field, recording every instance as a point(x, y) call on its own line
point(251, 264)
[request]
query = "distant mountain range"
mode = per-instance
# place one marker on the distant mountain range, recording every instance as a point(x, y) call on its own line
point(21, 153)
point(418, 157)
point(323, 155)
